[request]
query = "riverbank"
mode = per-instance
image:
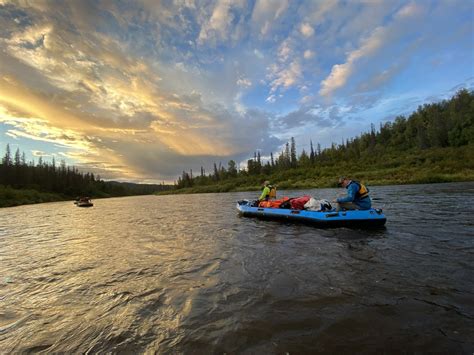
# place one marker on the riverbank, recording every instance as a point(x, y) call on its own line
point(10, 197)
point(325, 182)
point(415, 167)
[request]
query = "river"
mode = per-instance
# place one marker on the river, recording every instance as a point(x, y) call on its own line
point(186, 274)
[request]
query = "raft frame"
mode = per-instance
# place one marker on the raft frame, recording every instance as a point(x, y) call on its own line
point(372, 218)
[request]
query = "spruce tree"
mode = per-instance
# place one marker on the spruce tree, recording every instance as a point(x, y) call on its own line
point(7, 159)
point(293, 158)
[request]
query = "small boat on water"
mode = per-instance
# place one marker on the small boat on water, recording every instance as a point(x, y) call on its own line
point(84, 202)
point(373, 217)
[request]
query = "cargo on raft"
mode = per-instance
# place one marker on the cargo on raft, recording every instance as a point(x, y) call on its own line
point(373, 217)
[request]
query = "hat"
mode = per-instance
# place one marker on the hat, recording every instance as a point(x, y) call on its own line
point(341, 180)
point(266, 182)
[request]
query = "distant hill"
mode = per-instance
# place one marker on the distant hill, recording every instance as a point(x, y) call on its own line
point(140, 189)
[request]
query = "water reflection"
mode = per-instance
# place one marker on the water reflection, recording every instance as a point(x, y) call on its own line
point(183, 274)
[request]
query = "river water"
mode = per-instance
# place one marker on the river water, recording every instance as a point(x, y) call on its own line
point(186, 274)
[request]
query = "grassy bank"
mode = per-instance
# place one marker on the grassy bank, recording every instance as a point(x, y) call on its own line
point(414, 167)
point(14, 197)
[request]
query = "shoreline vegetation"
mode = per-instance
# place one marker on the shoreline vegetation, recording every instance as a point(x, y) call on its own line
point(420, 167)
point(23, 182)
point(12, 197)
point(435, 144)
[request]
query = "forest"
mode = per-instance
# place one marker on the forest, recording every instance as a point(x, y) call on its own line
point(23, 182)
point(433, 144)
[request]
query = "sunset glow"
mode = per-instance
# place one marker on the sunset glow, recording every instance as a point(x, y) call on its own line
point(141, 90)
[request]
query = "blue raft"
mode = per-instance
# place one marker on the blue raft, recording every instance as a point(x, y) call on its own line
point(352, 219)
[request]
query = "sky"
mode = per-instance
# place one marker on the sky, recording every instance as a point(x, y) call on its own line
point(142, 90)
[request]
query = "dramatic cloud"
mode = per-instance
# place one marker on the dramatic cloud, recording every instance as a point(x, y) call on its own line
point(142, 90)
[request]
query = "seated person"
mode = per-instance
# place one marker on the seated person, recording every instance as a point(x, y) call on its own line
point(265, 195)
point(268, 196)
point(357, 196)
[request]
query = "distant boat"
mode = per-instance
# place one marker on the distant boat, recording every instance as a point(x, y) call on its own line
point(84, 202)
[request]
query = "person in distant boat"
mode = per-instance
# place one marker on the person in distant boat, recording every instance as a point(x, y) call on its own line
point(357, 196)
point(268, 191)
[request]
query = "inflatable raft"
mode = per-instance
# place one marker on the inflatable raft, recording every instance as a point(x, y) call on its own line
point(360, 218)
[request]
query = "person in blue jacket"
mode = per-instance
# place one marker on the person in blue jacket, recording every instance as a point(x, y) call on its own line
point(357, 196)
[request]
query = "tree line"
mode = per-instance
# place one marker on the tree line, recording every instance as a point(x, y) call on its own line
point(51, 177)
point(448, 123)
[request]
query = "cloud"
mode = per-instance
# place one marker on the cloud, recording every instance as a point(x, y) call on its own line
point(305, 100)
point(266, 13)
point(271, 98)
point(383, 36)
point(308, 54)
point(409, 10)
point(306, 30)
point(285, 51)
point(39, 153)
point(259, 54)
point(285, 77)
point(145, 89)
point(341, 72)
point(321, 10)
point(381, 78)
point(107, 102)
point(244, 82)
point(220, 24)
point(186, 129)
point(316, 117)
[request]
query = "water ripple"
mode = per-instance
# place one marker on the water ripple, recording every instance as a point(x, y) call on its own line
point(181, 274)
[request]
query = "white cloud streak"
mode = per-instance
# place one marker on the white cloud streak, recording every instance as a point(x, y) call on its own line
point(341, 72)
point(266, 14)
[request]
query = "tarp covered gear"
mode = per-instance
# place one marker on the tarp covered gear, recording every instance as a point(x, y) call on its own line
point(299, 202)
point(318, 205)
point(273, 203)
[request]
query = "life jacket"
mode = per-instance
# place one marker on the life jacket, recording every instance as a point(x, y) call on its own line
point(273, 191)
point(362, 192)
